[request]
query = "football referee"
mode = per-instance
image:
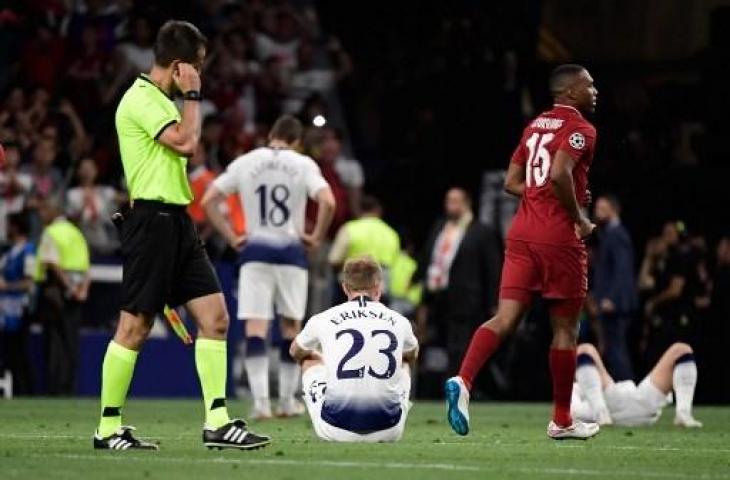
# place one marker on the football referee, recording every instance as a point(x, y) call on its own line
point(164, 260)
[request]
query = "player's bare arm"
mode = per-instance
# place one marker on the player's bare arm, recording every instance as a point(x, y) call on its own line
point(561, 177)
point(410, 357)
point(300, 354)
point(183, 137)
point(211, 203)
point(514, 182)
point(325, 213)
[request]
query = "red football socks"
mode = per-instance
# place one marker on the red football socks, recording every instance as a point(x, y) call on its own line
point(482, 346)
point(562, 368)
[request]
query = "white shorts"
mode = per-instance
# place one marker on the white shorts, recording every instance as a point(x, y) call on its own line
point(631, 405)
point(263, 286)
point(314, 381)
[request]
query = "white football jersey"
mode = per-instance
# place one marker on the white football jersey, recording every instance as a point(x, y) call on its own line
point(274, 185)
point(362, 344)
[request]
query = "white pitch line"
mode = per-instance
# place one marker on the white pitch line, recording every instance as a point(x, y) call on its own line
point(392, 465)
point(271, 461)
point(655, 449)
point(619, 473)
point(641, 448)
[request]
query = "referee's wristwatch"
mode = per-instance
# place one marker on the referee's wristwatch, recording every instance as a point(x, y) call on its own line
point(193, 95)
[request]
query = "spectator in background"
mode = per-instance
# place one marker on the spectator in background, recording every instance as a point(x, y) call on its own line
point(200, 177)
point(131, 57)
point(29, 121)
point(104, 15)
point(244, 70)
point(15, 187)
point(43, 56)
point(87, 72)
point(614, 285)
point(348, 170)
point(310, 78)
point(63, 274)
point(459, 268)
point(10, 113)
point(367, 235)
point(232, 74)
point(47, 179)
point(270, 90)
point(136, 51)
point(669, 274)
point(70, 149)
point(281, 41)
point(91, 206)
point(17, 269)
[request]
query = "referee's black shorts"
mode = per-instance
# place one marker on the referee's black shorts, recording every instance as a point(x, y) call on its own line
point(164, 259)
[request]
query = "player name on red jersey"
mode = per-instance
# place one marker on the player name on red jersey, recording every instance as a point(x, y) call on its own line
point(546, 123)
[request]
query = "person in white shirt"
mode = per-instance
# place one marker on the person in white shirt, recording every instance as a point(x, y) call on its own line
point(91, 207)
point(356, 360)
point(137, 50)
point(598, 398)
point(274, 184)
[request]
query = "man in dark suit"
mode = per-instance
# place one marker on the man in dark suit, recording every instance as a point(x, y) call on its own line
point(614, 285)
point(459, 268)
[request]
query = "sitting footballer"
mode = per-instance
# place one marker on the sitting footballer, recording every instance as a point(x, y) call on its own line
point(356, 359)
point(598, 398)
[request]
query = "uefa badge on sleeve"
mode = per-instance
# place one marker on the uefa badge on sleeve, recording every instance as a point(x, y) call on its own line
point(577, 141)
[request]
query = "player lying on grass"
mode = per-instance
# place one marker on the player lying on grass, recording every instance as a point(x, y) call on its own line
point(597, 398)
point(356, 361)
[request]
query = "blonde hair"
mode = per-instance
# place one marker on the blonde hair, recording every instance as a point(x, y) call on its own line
point(361, 273)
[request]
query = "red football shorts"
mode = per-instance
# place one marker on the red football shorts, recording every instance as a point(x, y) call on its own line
point(559, 273)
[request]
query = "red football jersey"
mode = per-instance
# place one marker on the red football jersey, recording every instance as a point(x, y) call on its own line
point(540, 217)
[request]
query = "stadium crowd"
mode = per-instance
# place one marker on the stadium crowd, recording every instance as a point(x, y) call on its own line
point(70, 63)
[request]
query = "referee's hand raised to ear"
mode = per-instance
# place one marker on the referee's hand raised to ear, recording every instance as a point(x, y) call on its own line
point(186, 77)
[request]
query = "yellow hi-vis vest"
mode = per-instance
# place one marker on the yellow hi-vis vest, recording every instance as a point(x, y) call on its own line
point(372, 236)
point(401, 273)
point(73, 251)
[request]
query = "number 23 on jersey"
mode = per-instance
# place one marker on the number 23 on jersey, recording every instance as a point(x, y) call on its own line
point(358, 342)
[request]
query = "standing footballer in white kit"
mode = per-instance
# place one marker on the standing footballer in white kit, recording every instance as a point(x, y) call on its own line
point(356, 359)
point(274, 183)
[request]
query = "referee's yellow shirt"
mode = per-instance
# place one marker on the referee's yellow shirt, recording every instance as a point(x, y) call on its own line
point(153, 171)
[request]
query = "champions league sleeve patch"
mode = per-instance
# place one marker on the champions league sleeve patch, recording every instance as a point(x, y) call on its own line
point(577, 141)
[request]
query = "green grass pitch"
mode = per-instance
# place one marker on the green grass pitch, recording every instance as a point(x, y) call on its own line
point(51, 439)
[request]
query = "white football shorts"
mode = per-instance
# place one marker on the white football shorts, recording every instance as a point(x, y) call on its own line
point(314, 382)
point(264, 286)
point(631, 405)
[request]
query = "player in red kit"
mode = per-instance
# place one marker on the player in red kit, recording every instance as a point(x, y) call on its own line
point(545, 253)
